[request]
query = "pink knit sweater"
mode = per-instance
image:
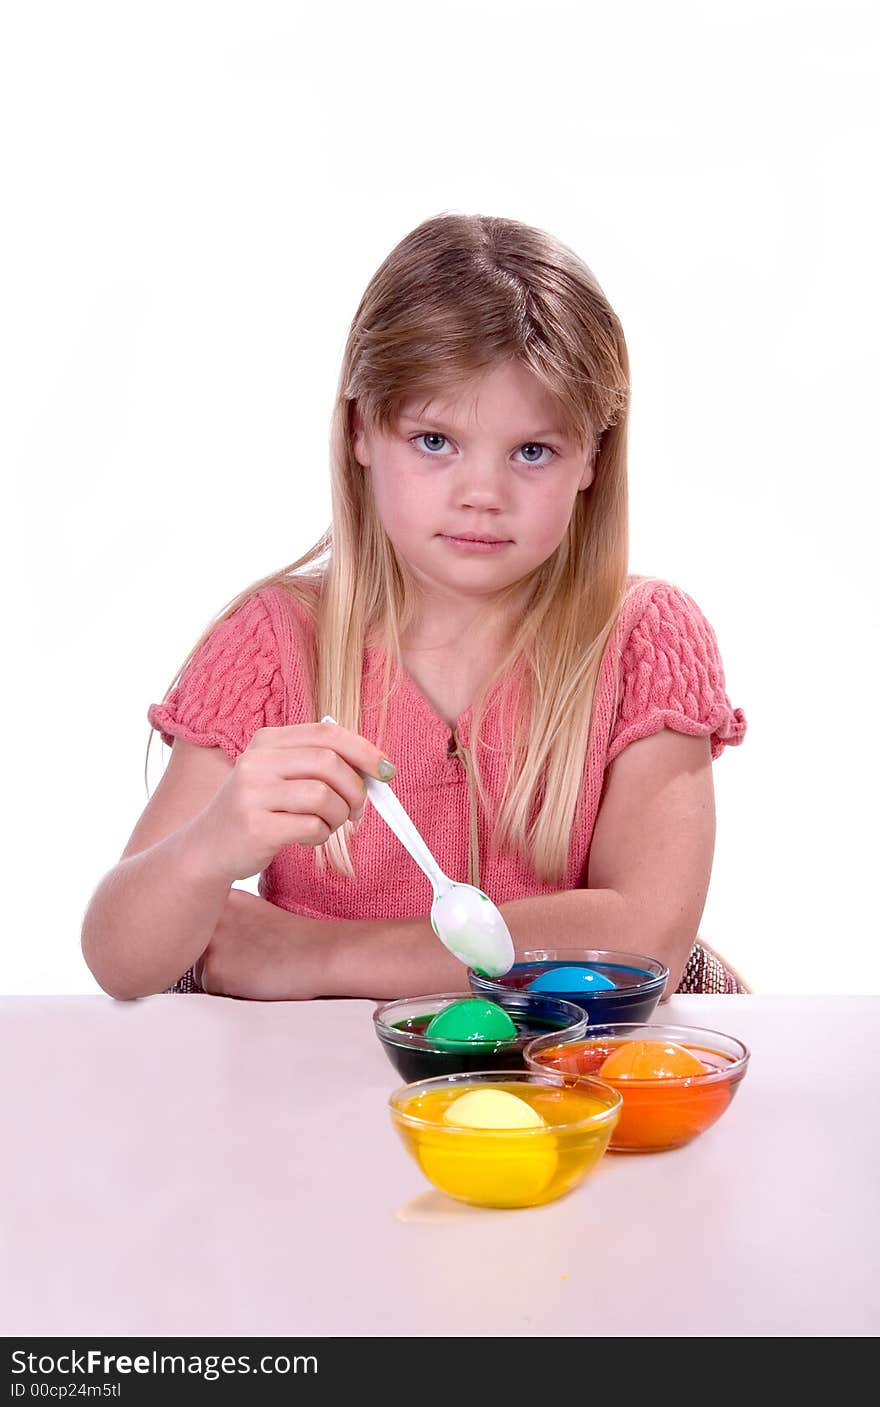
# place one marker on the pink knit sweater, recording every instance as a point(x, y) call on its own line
point(249, 674)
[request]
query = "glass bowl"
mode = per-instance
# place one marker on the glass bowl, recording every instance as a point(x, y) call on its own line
point(400, 1026)
point(495, 1167)
point(657, 1114)
point(638, 981)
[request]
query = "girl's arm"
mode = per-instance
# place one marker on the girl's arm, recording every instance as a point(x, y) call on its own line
point(210, 822)
point(654, 841)
point(154, 912)
point(649, 868)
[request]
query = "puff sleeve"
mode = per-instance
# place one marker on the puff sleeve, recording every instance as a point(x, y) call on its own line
point(671, 676)
point(232, 686)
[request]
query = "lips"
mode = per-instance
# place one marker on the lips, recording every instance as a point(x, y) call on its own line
point(475, 537)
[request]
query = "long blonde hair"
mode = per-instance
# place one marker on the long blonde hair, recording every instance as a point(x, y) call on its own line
point(459, 296)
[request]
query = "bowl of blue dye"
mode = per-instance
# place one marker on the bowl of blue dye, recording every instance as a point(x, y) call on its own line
point(485, 1040)
point(603, 984)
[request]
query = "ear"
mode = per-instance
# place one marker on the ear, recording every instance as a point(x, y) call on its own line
point(588, 475)
point(358, 437)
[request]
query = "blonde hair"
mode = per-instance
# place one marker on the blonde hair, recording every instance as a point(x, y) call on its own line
point(459, 296)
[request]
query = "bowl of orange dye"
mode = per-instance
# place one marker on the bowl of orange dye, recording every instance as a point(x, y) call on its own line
point(675, 1081)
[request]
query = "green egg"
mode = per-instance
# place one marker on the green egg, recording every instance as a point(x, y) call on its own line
point(471, 1022)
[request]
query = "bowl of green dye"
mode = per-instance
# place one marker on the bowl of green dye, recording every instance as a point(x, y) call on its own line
point(447, 1033)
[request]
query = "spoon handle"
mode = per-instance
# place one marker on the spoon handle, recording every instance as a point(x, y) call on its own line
point(393, 814)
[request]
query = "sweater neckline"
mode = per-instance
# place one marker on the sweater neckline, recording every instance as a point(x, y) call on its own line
point(459, 730)
point(460, 733)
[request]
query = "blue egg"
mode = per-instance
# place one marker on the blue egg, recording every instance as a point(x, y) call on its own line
point(570, 980)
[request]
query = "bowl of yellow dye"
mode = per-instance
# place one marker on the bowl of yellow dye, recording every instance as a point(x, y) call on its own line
point(505, 1138)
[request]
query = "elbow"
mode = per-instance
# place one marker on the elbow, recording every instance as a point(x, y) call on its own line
point(667, 940)
point(109, 982)
point(119, 993)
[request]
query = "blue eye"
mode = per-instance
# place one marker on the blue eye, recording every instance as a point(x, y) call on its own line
point(533, 445)
point(428, 435)
point(435, 435)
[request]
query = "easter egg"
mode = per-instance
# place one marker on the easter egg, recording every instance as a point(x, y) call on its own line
point(470, 1022)
point(488, 1153)
point(492, 1109)
point(651, 1060)
point(565, 980)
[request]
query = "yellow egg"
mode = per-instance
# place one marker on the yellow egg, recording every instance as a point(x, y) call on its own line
point(491, 1109)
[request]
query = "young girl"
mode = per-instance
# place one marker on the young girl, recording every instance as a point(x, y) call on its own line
point(470, 621)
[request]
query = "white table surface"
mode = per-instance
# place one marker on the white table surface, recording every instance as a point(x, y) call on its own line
point(193, 1165)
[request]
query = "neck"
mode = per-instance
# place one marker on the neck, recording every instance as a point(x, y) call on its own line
point(472, 627)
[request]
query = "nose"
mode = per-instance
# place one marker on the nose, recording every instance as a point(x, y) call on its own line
point(482, 485)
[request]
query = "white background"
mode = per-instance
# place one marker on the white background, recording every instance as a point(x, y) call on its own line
point(196, 197)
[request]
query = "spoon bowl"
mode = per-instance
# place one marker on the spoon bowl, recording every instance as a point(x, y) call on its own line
point(465, 920)
point(471, 926)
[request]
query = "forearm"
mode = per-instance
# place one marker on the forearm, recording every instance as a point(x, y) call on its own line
point(386, 958)
point(152, 915)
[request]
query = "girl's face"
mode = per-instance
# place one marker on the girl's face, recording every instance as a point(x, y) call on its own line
point(491, 463)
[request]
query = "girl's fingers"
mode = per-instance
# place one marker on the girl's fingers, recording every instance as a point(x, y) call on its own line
point(360, 754)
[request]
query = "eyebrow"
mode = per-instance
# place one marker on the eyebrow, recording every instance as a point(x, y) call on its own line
point(450, 429)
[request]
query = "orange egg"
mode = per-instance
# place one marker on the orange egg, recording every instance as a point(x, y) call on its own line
point(650, 1060)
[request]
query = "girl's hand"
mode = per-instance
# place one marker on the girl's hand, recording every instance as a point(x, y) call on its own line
point(260, 951)
point(291, 786)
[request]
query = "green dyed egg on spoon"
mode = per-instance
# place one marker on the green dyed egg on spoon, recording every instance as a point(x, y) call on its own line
point(470, 1022)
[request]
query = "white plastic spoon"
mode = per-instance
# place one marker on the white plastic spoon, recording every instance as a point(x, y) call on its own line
point(463, 917)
